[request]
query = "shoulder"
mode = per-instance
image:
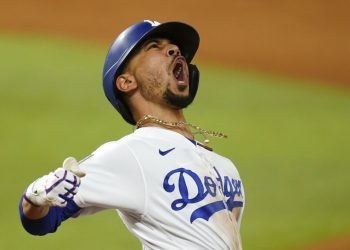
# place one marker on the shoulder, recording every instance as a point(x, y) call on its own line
point(139, 140)
point(113, 147)
point(110, 153)
point(222, 162)
point(218, 157)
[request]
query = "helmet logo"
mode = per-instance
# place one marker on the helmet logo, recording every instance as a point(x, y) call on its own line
point(153, 23)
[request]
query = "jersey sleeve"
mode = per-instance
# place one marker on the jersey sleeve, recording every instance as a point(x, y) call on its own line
point(113, 180)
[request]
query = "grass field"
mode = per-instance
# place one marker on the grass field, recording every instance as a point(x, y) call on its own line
point(290, 140)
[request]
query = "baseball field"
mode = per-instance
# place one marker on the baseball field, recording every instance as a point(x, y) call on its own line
point(288, 127)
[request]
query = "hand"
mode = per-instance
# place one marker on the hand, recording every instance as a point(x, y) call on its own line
point(56, 188)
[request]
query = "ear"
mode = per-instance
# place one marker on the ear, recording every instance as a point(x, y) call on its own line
point(125, 83)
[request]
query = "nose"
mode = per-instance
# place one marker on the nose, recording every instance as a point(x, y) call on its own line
point(173, 50)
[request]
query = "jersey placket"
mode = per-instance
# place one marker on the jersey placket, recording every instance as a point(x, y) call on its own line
point(210, 168)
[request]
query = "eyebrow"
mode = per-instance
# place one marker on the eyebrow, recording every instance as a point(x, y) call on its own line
point(157, 40)
point(150, 41)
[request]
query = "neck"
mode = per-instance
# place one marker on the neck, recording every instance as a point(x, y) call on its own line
point(140, 107)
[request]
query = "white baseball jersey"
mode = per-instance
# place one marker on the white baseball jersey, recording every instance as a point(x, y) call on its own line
point(170, 192)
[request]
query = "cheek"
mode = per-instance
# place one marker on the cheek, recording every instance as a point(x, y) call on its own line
point(150, 82)
point(150, 92)
point(147, 77)
point(152, 72)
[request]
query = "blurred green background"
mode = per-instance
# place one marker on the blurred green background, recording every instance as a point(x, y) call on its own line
point(289, 139)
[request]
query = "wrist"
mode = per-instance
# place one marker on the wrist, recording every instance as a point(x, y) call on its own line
point(32, 211)
point(25, 198)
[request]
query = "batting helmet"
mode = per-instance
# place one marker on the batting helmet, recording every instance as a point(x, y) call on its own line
point(181, 34)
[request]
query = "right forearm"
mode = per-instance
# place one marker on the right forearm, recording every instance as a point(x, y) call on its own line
point(48, 218)
point(34, 212)
point(37, 220)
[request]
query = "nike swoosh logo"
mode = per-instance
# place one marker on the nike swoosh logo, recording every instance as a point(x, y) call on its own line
point(165, 152)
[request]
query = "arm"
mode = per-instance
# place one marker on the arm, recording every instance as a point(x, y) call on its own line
point(50, 221)
point(49, 200)
point(32, 211)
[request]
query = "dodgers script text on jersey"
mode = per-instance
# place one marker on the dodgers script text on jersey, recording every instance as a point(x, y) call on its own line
point(209, 187)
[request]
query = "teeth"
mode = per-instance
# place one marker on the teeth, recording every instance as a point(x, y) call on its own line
point(177, 73)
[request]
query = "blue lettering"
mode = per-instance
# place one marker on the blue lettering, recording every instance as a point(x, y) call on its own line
point(185, 199)
point(231, 189)
point(207, 211)
point(210, 186)
point(218, 178)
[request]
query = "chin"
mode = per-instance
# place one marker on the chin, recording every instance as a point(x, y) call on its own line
point(183, 88)
point(178, 101)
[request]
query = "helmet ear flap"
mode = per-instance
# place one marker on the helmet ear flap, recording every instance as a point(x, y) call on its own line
point(194, 79)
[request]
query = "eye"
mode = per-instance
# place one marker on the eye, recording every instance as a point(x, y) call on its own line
point(153, 45)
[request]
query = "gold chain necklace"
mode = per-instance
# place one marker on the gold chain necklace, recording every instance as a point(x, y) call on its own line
point(180, 124)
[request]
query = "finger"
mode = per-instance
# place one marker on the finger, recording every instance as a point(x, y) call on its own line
point(72, 179)
point(72, 190)
point(67, 196)
point(56, 201)
point(68, 187)
point(72, 165)
point(55, 180)
point(60, 204)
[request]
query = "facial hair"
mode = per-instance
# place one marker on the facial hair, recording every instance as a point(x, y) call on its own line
point(177, 101)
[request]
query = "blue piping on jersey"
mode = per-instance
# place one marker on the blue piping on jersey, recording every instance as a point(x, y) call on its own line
point(193, 141)
point(200, 144)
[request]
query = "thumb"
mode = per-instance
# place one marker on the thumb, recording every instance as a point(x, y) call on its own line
point(72, 165)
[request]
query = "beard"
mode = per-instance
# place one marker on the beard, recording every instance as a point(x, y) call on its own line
point(177, 101)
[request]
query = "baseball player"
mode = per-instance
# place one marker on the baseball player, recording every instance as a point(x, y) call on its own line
point(171, 191)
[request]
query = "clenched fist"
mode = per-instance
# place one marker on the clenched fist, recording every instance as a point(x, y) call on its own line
point(56, 188)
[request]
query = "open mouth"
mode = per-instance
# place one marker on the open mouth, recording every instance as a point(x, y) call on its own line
point(179, 70)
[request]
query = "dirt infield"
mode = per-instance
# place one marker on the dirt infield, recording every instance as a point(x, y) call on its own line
point(308, 39)
point(342, 243)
